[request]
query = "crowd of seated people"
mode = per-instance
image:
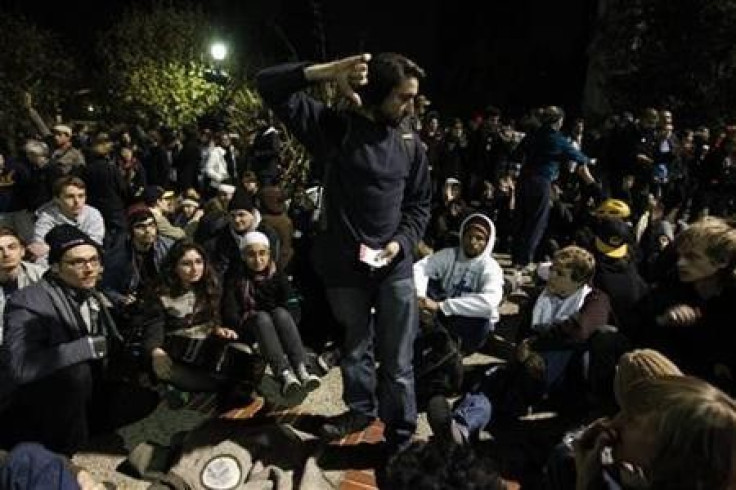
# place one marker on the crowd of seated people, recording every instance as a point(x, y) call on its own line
point(118, 274)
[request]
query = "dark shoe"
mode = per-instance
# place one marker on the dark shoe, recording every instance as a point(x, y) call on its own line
point(237, 396)
point(290, 385)
point(499, 347)
point(444, 428)
point(329, 359)
point(344, 424)
point(309, 381)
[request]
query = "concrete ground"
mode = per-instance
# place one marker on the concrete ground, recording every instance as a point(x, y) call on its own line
point(104, 455)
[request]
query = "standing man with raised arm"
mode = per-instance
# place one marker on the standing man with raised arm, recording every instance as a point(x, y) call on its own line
point(377, 201)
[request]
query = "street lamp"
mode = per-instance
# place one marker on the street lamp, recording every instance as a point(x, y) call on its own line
point(216, 74)
point(218, 51)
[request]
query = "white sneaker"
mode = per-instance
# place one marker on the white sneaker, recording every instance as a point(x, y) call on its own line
point(309, 381)
point(290, 385)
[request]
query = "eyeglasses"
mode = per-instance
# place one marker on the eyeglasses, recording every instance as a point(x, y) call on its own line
point(81, 263)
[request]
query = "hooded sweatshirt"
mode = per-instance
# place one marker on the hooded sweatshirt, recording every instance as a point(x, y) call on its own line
point(474, 285)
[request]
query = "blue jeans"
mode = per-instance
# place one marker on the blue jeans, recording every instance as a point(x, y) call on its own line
point(556, 362)
point(471, 331)
point(387, 338)
point(473, 411)
point(532, 216)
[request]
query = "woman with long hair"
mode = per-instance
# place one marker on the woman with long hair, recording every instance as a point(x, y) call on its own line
point(183, 336)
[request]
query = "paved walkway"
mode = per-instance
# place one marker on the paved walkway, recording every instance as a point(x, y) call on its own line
point(104, 456)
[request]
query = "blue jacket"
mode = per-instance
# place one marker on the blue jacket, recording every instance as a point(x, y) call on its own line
point(544, 150)
point(376, 190)
point(30, 466)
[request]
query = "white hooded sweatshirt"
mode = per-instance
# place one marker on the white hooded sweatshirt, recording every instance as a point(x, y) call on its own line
point(474, 286)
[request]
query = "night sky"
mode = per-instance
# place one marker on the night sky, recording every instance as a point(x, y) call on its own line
point(516, 55)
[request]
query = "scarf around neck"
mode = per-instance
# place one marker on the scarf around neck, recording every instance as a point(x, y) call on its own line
point(251, 281)
point(550, 309)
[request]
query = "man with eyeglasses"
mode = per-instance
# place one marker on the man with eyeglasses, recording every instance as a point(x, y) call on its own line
point(54, 357)
point(131, 268)
point(134, 264)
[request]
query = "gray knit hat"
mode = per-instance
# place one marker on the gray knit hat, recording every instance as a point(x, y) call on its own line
point(641, 364)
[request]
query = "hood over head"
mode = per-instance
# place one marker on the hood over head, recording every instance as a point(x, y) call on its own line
point(484, 223)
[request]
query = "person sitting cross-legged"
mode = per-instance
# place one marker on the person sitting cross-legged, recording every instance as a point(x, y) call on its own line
point(460, 288)
point(560, 356)
point(58, 349)
point(186, 346)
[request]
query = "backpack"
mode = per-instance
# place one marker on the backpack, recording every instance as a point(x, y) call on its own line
point(438, 364)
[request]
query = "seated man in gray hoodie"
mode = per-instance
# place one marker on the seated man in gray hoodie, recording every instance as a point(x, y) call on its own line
point(461, 287)
point(68, 206)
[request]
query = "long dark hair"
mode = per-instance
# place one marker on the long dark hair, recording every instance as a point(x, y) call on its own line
point(206, 290)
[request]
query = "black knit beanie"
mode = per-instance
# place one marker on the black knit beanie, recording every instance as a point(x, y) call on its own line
point(241, 200)
point(63, 237)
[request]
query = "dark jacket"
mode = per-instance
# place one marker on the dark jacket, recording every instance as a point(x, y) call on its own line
point(44, 333)
point(376, 190)
point(268, 295)
point(187, 164)
point(13, 176)
point(620, 280)
point(158, 321)
point(595, 312)
point(698, 348)
point(121, 276)
point(224, 250)
point(106, 191)
point(36, 187)
point(266, 151)
point(158, 166)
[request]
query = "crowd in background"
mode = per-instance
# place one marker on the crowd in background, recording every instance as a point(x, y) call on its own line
point(628, 238)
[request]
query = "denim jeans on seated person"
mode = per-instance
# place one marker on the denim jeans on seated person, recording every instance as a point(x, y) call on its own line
point(473, 412)
point(472, 332)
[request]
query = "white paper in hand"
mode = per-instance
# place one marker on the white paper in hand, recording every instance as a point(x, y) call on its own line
point(370, 256)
